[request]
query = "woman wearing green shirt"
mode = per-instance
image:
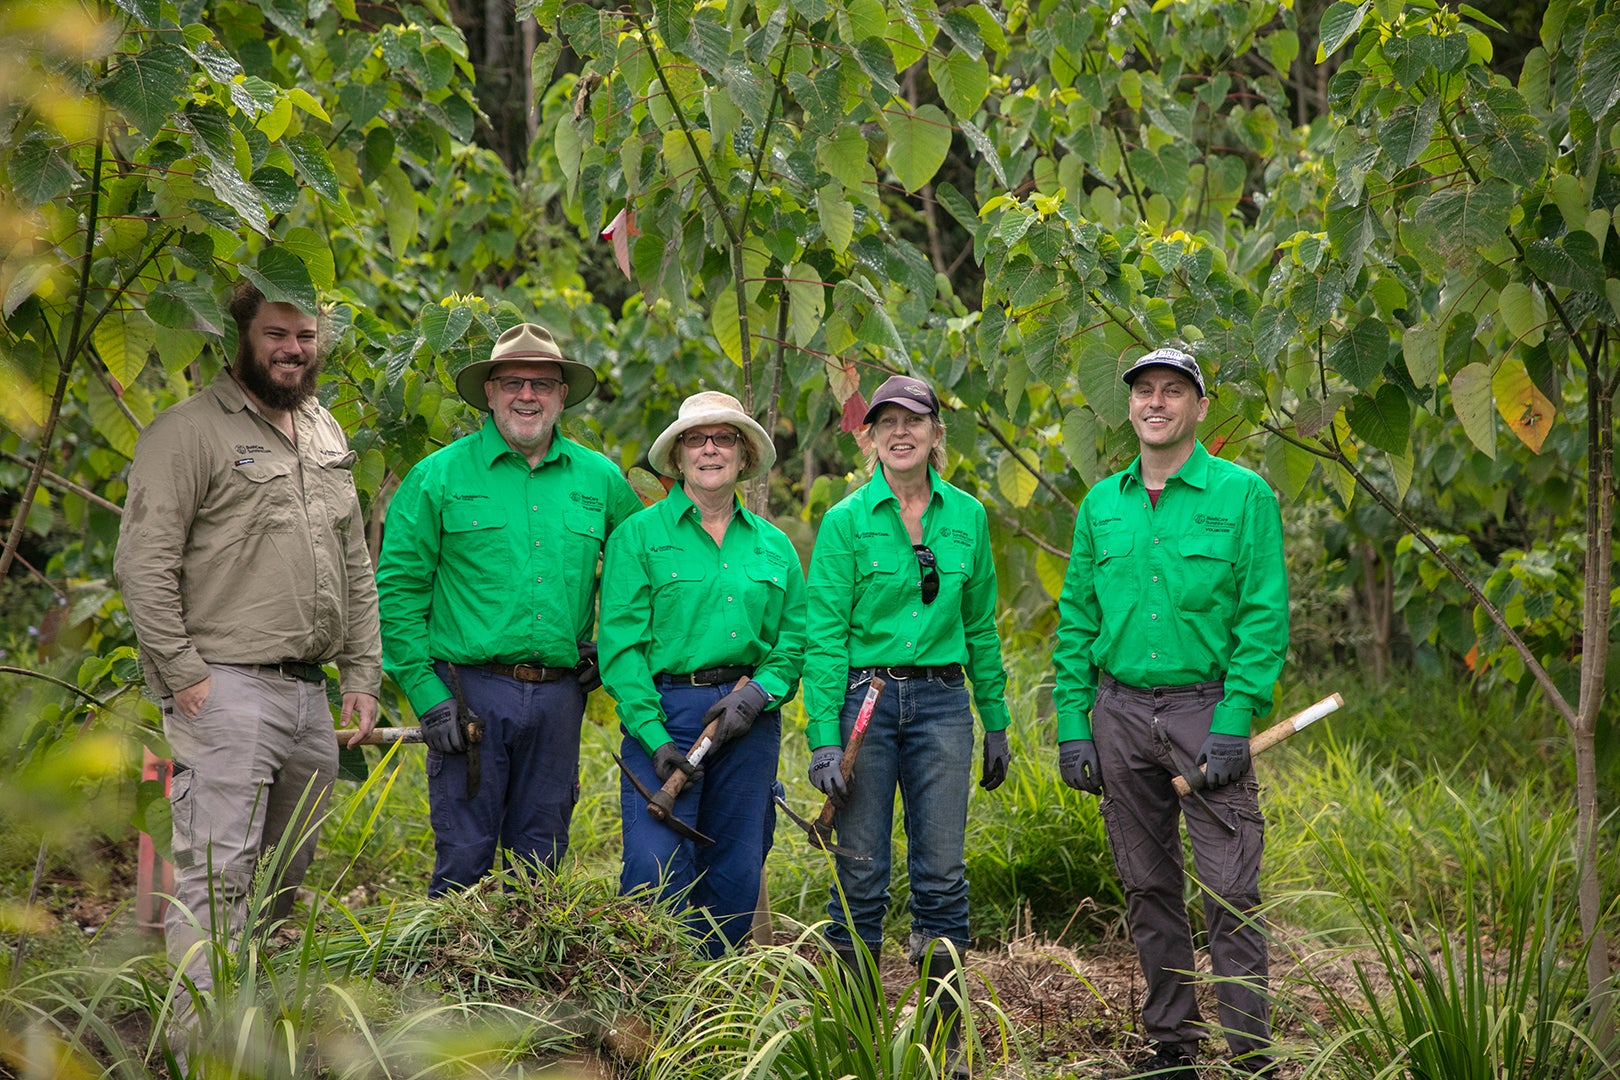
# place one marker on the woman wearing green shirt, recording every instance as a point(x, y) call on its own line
point(903, 585)
point(699, 595)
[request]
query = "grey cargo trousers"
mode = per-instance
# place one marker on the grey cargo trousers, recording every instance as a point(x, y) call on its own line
point(1140, 810)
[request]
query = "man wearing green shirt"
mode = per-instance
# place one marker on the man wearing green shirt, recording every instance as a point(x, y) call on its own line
point(1173, 628)
point(487, 585)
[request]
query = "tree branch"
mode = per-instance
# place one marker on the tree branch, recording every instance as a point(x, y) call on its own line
point(1040, 478)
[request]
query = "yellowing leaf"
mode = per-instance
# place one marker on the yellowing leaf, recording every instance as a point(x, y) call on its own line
point(274, 123)
point(1522, 404)
point(123, 340)
point(724, 322)
point(1017, 483)
point(1050, 569)
point(807, 300)
point(304, 100)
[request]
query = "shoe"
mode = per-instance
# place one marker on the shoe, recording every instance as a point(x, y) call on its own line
point(1255, 1065)
point(1169, 1061)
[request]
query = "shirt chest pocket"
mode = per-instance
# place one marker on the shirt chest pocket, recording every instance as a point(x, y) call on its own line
point(767, 586)
point(1209, 575)
point(474, 533)
point(268, 491)
point(677, 596)
point(585, 531)
point(1112, 552)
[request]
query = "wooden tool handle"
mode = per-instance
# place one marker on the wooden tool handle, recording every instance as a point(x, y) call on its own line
point(664, 800)
point(852, 749)
point(380, 736)
point(1275, 734)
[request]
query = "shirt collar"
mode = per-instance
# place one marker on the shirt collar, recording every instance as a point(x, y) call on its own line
point(492, 444)
point(1194, 472)
point(235, 399)
point(879, 485)
point(680, 504)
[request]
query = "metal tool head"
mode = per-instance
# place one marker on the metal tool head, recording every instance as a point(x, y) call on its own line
point(657, 812)
point(817, 837)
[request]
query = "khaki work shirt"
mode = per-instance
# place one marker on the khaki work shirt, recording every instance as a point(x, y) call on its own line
point(238, 547)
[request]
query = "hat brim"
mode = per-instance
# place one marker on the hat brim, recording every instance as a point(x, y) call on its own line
point(921, 408)
point(1129, 375)
point(580, 380)
point(663, 447)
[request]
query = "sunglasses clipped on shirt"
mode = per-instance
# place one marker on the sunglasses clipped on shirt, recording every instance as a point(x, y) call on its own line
point(930, 572)
point(725, 440)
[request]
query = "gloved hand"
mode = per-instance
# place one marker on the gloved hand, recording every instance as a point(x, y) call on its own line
point(1078, 765)
point(587, 671)
point(997, 756)
point(666, 759)
point(828, 776)
point(442, 729)
point(1227, 756)
point(737, 711)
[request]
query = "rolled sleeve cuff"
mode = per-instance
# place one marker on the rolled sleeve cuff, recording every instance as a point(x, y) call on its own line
point(361, 680)
point(775, 687)
point(1232, 718)
point(185, 670)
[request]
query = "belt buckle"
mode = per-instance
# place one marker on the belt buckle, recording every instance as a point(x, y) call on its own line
point(528, 673)
point(894, 674)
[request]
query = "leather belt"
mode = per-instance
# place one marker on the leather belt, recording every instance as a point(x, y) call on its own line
point(290, 669)
point(533, 673)
point(944, 671)
point(715, 676)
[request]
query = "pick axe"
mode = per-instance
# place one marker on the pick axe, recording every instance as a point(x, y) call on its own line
point(819, 831)
point(661, 803)
point(1270, 737)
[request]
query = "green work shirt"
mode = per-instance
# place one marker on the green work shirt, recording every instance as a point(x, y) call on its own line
point(675, 602)
point(486, 560)
point(866, 606)
point(1193, 590)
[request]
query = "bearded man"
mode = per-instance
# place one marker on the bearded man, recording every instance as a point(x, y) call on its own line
point(242, 557)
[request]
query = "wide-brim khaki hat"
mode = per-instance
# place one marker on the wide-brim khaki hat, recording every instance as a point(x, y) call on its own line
point(713, 407)
point(525, 343)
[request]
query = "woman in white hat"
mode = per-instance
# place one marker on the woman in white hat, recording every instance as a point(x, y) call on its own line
point(702, 619)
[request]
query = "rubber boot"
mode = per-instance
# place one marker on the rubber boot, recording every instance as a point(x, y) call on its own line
point(861, 967)
point(942, 989)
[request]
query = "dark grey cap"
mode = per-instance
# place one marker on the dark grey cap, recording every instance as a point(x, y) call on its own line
point(912, 394)
point(1170, 358)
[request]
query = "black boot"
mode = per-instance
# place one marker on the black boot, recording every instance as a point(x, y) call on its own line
point(860, 966)
point(942, 989)
point(1169, 1061)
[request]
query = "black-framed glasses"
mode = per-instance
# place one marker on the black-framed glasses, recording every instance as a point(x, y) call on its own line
point(694, 440)
point(513, 384)
point(930, 572)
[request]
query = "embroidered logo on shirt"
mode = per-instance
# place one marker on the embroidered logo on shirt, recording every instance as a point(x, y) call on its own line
point(871, 534)
point(469, 496)
point(249, 448)
point(589, 502)
point(958, 536)
point(1212, 523)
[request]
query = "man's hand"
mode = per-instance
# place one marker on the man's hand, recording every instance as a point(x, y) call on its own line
point(736, 712)
point(1078, 765)
point(1227, 757)
point(588, 671)
point(190, 700)
point(827, 774)
point(442, 730)
point(997, 756)
point(363, 708)
point(666, 759)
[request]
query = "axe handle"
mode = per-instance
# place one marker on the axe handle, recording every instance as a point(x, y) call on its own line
point(381, 736)
point(1276, 733)
point(846, 767)
point(663, 800)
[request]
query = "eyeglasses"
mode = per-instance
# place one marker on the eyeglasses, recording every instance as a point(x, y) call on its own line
point(694, 440)
point(513, 384)
point(930, 572)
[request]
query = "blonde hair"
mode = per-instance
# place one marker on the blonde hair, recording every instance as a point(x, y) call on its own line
point(936, 456)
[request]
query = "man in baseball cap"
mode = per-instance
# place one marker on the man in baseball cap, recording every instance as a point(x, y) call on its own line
point(487, 582)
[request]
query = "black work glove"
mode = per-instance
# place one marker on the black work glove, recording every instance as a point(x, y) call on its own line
point(666, 759)
point(827, 774)
point(997, 756)
point(442, 729)
point(1227, 757)
point(587, 671)
point(1078, 765)
point(737, 711)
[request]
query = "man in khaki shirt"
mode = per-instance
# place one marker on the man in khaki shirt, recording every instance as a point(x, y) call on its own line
point(243, 562)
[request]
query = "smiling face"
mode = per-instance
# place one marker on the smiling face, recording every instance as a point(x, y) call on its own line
point(526, 416)
point(904, 440)
point(277, 359)
point(1166, 409)
point(709, 467)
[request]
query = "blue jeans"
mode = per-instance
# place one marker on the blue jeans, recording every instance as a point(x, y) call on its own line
point(530, 764)
point(920, 740)
point(730, 803)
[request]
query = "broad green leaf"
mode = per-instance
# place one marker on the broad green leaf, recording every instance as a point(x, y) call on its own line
point(443, 326)
point(145, 88)
point(872, 55)
point(309, 154)
point(724, 322)
point(918, 143)
point(1460, 220)
point(399, 209)
point(843, 155)
point(1421, 348)
point(1016, 483)
point(1524, 311)
point(311, 247)
point(877, 328)
point(807, 301)
point(283, 278)
point(1080, 443)
point(1518, 153)
point(1288, 467)
point(1574, 263)
point(1528, 413)
point(177, 348)
point(1343, 483)
point(148, 12)
point(1383, 420)
point(1339, 21)
point(837, 216)
point(184, 305)
point(1407, 131)
point(1050, 570)
point(1599, 78)
point(963, 81)
point(39, 173)
point(1565, 191)
point(1611, 289)
point(1360, 355)
point(1026, 281)
point(240, 195)
point(569, 147)
point(109, 420)
point(646, 485)
point(124, 341)
point(963, 30)
point(1475, 405)
point(1099, 376)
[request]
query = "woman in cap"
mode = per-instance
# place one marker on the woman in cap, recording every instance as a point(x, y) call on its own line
point(903, 586)
point(703, 619)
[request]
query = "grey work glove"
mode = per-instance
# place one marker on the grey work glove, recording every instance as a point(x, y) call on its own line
point(666, 759)
point(1078, 765)
point(827, 774)
point(1227, 757)
point(442, 729)
point(997, 756)
point(587, 671)
point(737, 711)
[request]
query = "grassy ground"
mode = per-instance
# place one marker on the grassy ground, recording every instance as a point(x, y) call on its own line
point(1419, 804)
